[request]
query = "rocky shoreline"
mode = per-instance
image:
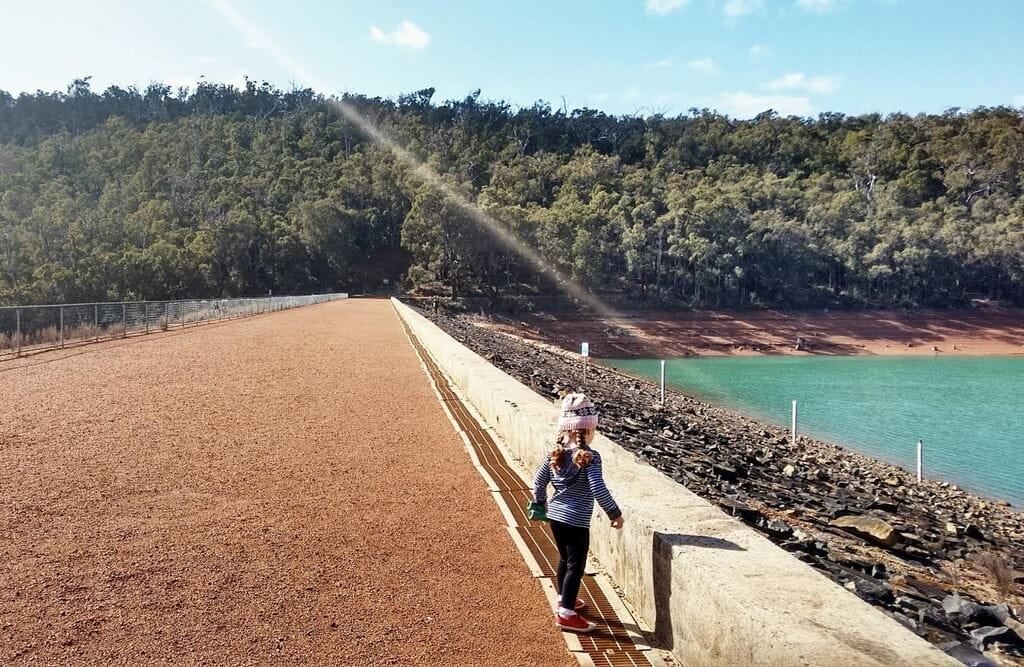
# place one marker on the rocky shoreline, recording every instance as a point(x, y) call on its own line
point(945, 563)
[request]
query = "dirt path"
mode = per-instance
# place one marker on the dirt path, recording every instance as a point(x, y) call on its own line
point(235, 495)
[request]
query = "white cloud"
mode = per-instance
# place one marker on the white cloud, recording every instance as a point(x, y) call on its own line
point(1018, 101)
point(825, 85)
point(662, 7)
point(817, 6)
point(758, 50)
point(703, 65)
point(407, 35)
point(736, 8)
point(658, 64)
point(747, 105)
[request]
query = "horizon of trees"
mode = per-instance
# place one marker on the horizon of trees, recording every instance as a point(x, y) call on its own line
point(225, 191)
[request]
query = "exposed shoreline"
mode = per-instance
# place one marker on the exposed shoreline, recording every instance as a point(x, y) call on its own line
point(986, 331)
point(935, 532)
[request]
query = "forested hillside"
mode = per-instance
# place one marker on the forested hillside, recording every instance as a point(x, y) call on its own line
point(220, 191)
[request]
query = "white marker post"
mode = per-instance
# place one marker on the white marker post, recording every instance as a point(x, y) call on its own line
point(793, 428)
point(585, 352)
point(920, 468)
point(663, 382)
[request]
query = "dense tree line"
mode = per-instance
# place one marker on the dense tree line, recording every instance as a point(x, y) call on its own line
point(162, 193)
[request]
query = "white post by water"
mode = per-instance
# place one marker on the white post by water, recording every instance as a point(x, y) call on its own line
point(793, 428)
point(920, 469)
point(663, 382)
point(585, 353)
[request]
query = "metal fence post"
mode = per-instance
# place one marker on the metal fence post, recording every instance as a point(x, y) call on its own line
point(62, 327)
point(167, 322)
point(96, 319)
point(124, 320)
point(17, 329)
point(146, 307)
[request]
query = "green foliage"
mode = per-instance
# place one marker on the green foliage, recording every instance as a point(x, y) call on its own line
point(223, 191)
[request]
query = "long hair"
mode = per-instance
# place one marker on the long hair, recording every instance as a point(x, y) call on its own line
point(566, 439)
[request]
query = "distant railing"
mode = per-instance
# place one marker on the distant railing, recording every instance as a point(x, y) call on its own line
point(27, 329)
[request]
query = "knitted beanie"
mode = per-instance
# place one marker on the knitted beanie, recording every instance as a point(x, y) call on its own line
point(578, 412)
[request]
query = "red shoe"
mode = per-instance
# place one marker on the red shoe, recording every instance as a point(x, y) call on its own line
point(580, 604)
point(574, 623)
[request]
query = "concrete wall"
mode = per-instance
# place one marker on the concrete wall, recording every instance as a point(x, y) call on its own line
point(716, 591)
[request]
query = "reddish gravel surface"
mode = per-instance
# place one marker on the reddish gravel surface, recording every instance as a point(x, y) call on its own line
point(284, 488)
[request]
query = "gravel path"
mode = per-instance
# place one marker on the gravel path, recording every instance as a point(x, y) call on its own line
point(283, 488)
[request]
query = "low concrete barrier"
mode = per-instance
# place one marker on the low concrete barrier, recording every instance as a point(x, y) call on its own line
point(715, 591)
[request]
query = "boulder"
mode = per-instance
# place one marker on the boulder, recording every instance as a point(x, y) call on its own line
point(736, 508)
point(725, 472)
point(983, 636)
point(777, 528)
point(884, 505)
point(966, 654)
point(871, 590)
point(957, 609)
point(868, 527)
point(1001, 614)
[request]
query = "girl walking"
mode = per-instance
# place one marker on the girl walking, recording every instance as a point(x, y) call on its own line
point(574, 469)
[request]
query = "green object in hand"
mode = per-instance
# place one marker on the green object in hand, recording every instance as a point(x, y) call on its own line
point(535, 511)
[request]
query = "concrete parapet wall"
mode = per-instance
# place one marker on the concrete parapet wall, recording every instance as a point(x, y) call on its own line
point(715, 591)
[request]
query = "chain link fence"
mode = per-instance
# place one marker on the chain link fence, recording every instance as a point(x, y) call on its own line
point(27, 329)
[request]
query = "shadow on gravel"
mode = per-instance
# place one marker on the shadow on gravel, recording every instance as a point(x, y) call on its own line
point(664, 631)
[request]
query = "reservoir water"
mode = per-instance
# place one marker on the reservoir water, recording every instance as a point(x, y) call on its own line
point(968, 410)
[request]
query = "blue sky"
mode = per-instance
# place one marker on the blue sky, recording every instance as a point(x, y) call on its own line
point(622, 56)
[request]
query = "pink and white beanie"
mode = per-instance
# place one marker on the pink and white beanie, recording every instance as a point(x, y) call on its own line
point(578, 412)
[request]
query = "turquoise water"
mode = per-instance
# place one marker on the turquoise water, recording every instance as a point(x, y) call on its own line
point(968, 410)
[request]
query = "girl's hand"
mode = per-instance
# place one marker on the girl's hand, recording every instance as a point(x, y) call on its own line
point(617, 522)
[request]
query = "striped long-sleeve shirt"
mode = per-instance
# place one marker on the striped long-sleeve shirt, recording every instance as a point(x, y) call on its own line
point(575, 491)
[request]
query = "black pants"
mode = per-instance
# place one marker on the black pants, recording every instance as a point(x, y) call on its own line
point(573, 545)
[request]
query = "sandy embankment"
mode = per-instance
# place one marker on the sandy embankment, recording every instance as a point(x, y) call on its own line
point(982, 332)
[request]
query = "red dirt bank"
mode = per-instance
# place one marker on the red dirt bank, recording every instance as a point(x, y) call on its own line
point(986, 331)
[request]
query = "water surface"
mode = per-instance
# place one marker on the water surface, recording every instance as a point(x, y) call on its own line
point(968, 410)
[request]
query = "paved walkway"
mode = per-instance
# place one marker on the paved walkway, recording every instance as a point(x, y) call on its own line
point(282, 488)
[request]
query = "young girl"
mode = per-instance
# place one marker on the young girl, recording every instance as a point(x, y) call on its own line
point(574, 469)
